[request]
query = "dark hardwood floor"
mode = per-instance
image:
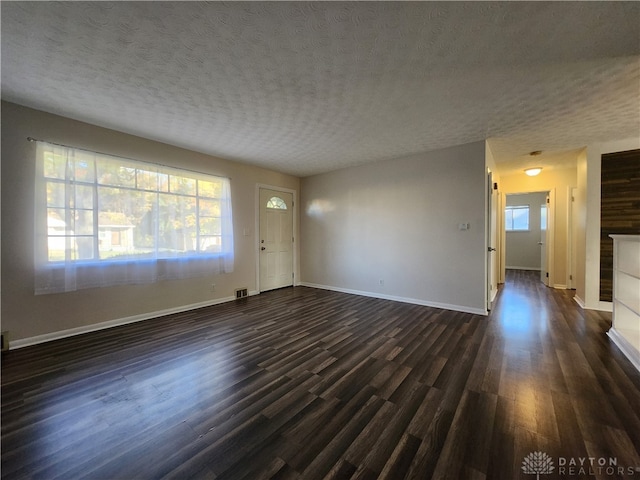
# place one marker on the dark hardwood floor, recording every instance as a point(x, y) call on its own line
point(309, 384)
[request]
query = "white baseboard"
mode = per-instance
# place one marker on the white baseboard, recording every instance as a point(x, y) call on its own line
point(48, 337)
point(604, 307)
point(623, 344)
point(560, 286)
point(415, 301)
point(494, 295)
point(600, 306)
point(523, 268)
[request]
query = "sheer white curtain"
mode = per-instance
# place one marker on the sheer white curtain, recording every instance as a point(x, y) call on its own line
point(102, 220)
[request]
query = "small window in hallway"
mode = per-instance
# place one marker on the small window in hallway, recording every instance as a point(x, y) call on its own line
point(516, 218)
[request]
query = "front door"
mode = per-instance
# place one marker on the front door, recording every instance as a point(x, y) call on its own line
point(276, 239)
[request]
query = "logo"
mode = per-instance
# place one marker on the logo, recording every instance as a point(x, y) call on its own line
point(537, 463)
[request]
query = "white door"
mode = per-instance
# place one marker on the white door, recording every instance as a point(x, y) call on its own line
point(276, 239)
point(544, 270)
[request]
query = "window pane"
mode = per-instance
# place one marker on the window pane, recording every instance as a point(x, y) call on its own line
point(56, 231)
point(163, 182)
point(210, 244)
point(516, 218)
point(83, 197)
point(543, 217)
point(210, 226)
point(209, 208)
point(83, 247)
point(508, 219)
point(56, 194)
point(152, 180)
point(276, 203)
point(116, 173)
point(83, 224)
point(116, 204)
point(55, 221)
point(521, 219)
point(182, 185)
point(210, 189)
point(84, 170)
point(54, 165)
point(124, 215)
point(176, 224)
point(56, 248)
point(147, 180)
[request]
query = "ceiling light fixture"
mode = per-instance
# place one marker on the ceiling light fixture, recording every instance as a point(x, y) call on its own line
point(532, 172)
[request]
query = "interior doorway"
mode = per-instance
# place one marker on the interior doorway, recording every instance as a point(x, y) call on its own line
point(544, 213)
point(493, 206)
point(528, 232)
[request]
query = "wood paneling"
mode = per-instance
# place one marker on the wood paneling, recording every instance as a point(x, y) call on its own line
point(303, 383)
point(620, 209)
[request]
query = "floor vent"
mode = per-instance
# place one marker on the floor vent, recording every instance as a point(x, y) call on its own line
point(241, 292)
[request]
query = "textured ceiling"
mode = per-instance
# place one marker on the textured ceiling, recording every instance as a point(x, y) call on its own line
point(305, 87)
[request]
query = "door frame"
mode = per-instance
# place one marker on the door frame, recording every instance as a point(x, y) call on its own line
point(492, 240)
point(572, 193)
point(296, 234)
point(544, 262)
point(551, 219)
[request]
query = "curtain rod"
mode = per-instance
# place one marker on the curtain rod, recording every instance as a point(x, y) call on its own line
point(31, 139)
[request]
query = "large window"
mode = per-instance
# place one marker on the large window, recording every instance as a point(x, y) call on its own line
point(516, 218)
point(104, 220)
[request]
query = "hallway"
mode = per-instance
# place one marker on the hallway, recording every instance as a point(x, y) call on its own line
point(554, 382)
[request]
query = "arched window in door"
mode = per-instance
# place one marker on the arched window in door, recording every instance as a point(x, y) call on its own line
point(276, 203)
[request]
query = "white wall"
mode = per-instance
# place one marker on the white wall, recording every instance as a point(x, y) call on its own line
point(580, 232)
point(25, 315)
point(522, 248)
point(397, 221)
point(588, 289)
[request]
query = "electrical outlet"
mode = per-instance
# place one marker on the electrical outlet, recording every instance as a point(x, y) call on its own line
point(213, 287)
point(381, 282)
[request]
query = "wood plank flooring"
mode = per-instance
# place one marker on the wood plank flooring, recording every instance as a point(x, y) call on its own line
point(309, 384)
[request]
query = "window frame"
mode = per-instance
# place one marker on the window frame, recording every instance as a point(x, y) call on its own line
point(166, 232)
point(138, 168)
